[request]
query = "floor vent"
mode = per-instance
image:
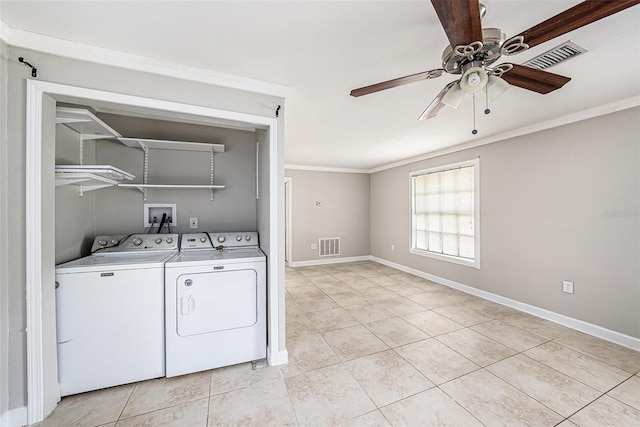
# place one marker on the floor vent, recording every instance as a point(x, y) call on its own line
point(558, 54)
point(329, 246)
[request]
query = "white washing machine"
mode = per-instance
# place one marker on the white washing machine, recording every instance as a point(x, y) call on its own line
point(216, 304)
point(110, 312)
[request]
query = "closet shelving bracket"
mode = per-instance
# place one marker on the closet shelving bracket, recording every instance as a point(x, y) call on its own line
point(87, 177)
point(146, 144)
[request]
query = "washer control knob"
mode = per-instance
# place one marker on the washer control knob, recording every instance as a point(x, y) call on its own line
point(137, 241)
point(247, 237)
point(158, 241)
point(102, 242)
point(115, 241)
point(169, 240)
point(239, 238)
point(221, 239)
point(203, 239)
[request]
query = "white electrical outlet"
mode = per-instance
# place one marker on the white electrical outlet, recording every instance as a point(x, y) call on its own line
point(193, 223)
point(393, 247)
point(567, 286)
point(314, 246)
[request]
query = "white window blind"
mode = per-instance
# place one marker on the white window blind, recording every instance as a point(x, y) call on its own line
point(444, 211)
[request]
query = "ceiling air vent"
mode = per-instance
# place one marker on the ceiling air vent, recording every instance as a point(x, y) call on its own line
point(558, 54)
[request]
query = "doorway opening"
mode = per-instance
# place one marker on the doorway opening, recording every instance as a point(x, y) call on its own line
point(42, 390)
point(288, 210)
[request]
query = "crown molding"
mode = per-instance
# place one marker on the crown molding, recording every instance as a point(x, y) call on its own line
point(5, 32)
point(54, 46)
point(586, 114)
point(324, 169)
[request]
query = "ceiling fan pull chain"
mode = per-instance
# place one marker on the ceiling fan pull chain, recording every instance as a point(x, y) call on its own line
point(486, 97)
point(474, 131)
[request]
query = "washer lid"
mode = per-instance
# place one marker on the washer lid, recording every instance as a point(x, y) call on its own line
point(111, 261)
point(208, 256)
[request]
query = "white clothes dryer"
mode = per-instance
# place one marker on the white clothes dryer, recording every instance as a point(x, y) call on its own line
point(110, 313)
point(215, 302)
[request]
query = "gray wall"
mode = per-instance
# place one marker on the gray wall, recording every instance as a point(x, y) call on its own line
point(556, 205)
point(75, 224)
point(77, 73)
point(262, 195)
point(344, 214)
point(4, 261)
point(120, 210)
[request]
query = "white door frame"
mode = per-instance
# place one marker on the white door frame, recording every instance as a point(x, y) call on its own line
point(38, 392)
point(288, 194)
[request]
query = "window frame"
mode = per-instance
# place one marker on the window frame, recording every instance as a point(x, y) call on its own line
point(475, 163)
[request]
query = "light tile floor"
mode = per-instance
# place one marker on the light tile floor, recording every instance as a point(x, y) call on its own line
point(373, 346)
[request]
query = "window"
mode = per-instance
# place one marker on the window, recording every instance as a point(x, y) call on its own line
point(445, 213)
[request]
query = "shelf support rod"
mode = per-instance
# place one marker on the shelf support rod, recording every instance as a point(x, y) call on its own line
point(213, 158)
point(81, 155)
point(145, 171)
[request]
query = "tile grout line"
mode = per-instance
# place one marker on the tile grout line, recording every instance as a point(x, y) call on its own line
point(470, 327)
point(135, 386)
point(209, 398)
point(458, 403)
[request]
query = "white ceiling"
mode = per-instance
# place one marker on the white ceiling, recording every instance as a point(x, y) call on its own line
point(323, 49)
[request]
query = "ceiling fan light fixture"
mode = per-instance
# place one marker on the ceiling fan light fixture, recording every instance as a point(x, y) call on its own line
point(454, 96)
point(496, 86)
point(473, 80)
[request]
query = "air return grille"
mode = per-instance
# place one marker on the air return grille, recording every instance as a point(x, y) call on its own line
point(329, 246)
point(558, 54)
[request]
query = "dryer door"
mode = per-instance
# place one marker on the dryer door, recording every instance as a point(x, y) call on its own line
point(216, 301)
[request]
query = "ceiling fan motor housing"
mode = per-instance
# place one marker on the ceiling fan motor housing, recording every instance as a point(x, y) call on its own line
point(493, 38)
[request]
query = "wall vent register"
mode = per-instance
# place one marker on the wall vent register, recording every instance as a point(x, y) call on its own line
point(329, 246)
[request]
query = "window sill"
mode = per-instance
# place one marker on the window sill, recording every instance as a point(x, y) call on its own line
point(469, 263)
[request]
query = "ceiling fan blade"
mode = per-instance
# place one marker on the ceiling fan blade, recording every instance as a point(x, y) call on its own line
point(436, 105)
point(460, 20)
point(425, 75)
point(533, 79)
point(571, 19)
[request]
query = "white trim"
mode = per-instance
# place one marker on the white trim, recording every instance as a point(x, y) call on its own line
point(5, 32)
point(324, 169)
point(288, 219)
point(586, 114)
point(33, 254)
point(570, 322)
point(446, 258)
point(14, 417)
point(330, 261)
point(36, 90)
point(475, 263)
point(277, 357)
point(97, 55)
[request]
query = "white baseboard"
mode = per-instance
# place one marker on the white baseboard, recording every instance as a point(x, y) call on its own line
point(328, 261)
point(570, 322)
point(14, 417)
point(276, 358)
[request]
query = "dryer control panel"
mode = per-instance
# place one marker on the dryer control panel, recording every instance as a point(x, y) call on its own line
point(193, 241)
